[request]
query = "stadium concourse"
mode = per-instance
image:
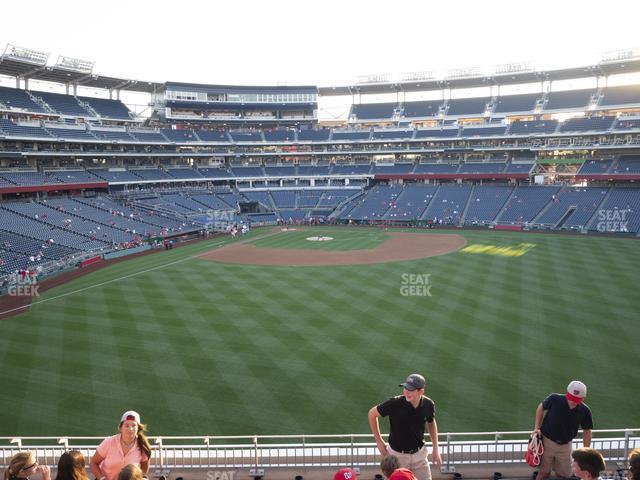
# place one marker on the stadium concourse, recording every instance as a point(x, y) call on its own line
point(462, 191)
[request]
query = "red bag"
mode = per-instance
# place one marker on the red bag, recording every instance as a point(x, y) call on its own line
point(534, 450)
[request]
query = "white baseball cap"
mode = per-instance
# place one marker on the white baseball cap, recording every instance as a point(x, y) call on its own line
point(130, 415)
point(576, 391)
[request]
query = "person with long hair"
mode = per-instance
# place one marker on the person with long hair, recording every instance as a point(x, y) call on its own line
point(71, 466)
point(634, 464)
point(130, 446)
point(23, 465)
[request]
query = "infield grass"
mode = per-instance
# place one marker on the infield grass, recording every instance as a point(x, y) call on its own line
point(199, 347)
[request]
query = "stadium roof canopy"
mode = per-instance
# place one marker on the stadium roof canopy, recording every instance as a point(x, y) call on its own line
point(29, 64)
point(471, 78)
point(32, 64)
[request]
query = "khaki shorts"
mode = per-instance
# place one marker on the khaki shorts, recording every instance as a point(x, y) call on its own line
point(556, 457)
point(416, 462)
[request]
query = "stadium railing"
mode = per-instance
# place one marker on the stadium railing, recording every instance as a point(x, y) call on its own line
point(275, 451)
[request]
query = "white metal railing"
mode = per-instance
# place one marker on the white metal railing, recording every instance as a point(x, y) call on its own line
point(270, 451)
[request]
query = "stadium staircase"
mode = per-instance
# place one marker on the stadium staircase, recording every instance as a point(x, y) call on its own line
point(504, 206)
point(547, 207)
point(47, 108)
point(594, 219)
point(466, 207)
point(88, 108)
point(343, 207)
point(541, 102)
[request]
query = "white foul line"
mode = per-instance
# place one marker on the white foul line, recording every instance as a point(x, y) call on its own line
point(104, 283)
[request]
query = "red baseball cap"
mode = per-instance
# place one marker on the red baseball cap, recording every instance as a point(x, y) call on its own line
point(345, 474)
point(402, 474)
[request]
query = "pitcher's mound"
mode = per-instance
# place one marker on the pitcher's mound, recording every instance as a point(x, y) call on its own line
point(319, 239)
point(399, 247)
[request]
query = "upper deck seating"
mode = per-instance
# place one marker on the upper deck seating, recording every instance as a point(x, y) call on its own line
point(63, 104)
point(570, 99)
point(421, 109)
point(467, 106)
point(351, 135)
point(314, 135)
point(587, 124)
point(372, 111)
point(107, 108)
point(529, 127)
point(516, 103)
point(436, 168)
point(624, 95)
point(391, 134)
point(18, 99)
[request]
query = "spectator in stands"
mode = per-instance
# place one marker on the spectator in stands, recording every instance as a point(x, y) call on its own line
point(345, 474)
point(131, 472)
point(71, 466)
point(634, 464)
point(587, 463)
point(130, 446)
point(558, 418)
point(408, 414)
point(23, 465)
point(389, 464)
point(402, 474)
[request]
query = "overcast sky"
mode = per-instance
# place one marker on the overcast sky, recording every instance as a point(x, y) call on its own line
point(323, 43)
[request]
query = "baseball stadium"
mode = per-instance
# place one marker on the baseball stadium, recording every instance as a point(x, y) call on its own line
point(252, 278)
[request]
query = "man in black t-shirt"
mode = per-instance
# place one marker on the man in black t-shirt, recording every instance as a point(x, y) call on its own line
point(408, 414)
point(558, 418)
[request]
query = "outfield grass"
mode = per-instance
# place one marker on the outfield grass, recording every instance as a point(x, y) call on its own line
point(206, 348)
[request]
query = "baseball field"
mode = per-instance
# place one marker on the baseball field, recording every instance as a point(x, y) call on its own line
point(207, 339)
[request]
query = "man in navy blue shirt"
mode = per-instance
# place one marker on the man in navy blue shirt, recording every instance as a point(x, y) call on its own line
point(408, 414)
point(558, 418)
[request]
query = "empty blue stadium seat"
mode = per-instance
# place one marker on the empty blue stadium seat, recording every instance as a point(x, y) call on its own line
point(351, 135)
point(624, 95)
point(485, 204)
point(467, 106)
point(445, 132)
point(63, 104)
point(314, 135)
point(529, 127)
point(107, 108)
point(17, 99)
point(569, 99)
point(391, 134)
point(372, 111)
point(516, 103)
point(587, 124)
point(421, 109)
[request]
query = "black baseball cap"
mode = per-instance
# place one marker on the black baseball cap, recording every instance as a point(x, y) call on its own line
point(415, 381)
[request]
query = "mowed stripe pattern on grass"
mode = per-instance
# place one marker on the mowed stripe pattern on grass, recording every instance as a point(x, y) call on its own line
point(205, 348)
